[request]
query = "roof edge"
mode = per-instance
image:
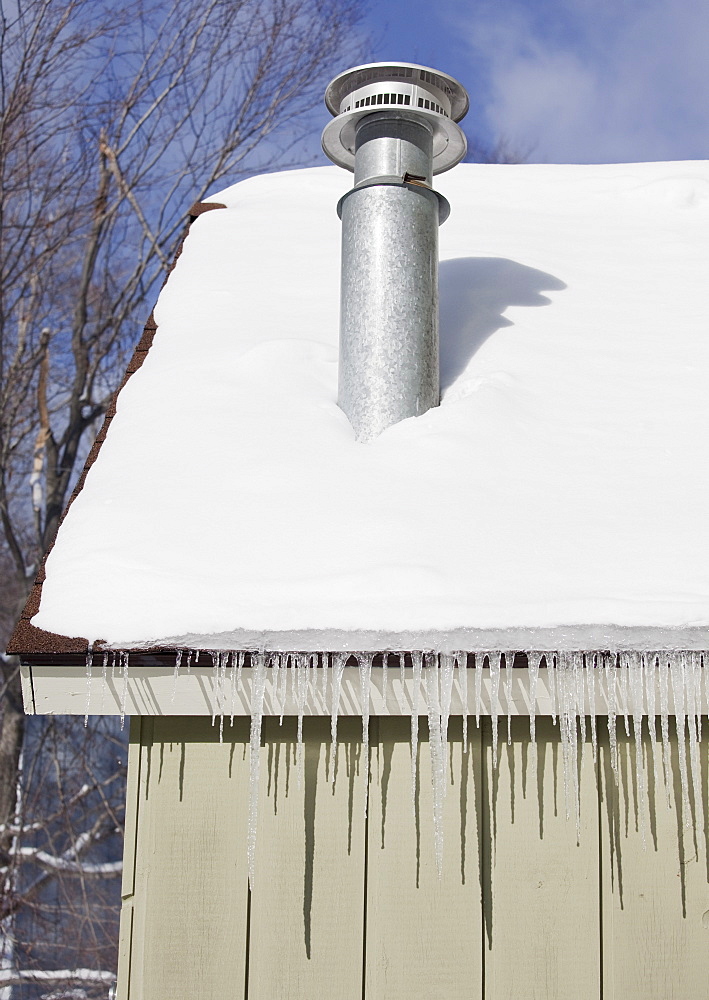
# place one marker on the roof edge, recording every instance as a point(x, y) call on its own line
point(49, 650)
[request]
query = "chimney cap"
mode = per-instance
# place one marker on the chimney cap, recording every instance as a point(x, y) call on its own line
point(397, 72)
point(400, 88)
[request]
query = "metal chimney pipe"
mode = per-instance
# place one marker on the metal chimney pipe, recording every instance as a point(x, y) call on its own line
point(395, 127)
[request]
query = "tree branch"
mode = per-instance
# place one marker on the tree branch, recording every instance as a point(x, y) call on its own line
point(16, 977)
point(61, 864)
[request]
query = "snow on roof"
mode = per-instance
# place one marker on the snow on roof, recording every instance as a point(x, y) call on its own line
point(560, 489)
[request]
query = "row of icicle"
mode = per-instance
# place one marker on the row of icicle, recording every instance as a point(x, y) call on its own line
point(649, 684)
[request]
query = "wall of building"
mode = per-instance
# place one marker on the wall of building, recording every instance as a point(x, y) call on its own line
point(350, 906)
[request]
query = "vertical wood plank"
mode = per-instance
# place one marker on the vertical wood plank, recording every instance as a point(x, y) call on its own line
point(541, 888)
point(308, 902)
point(423, 934)
point(129, 851)
point(655, 900)
point(190, 899)
point(338, 899)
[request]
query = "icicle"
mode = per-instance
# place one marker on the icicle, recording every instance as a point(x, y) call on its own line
point(635, 675)
point(175, 675)
point(493, 660)
point(283, 682)
point(690, 681)
point(258, 686)
point(89, 664)
point(417, 664)
point(323, 679)
point(302, 673)
point(462, 659)
point(196, 656)
point(662, 670)
point(338, 666)
point(275, 661)
point(577, 725)
point(223, 661)
point(697, 669)
point(479, 661)
point(215, 682)
point(239, 668)
point(590, 670)
point(223, 658)
point(385, 680)
point(695, 696)
point(649, 660)
point(235, 660)
point(190, 654)
point(294, 677)
point(437, 751)
point(124, 693)
point(609, 661)
point(219, 695)
point(579, 696)
point(509, 663)
point(314, 660)
point(623, 664)
point(568, 724)
point(560, 681)
point(534, 660)
point(402, 669)
point(365, 678)
point(677, 676)
point(696, 664)
point(700, 696)
point(551, 681)
point(688, 667)
point(564, 722)
point(104, 678)
point(446, 666)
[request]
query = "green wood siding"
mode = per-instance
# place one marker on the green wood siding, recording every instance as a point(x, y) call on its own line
point(350, 906)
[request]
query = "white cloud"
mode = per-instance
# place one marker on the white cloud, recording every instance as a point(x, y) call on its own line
point(594, 80)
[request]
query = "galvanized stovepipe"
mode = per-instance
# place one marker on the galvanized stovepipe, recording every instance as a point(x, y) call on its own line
point(395, 127)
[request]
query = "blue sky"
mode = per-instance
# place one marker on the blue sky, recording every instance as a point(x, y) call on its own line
point(585, 81)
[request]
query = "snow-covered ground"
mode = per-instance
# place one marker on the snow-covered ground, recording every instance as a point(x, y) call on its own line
point(563, 481)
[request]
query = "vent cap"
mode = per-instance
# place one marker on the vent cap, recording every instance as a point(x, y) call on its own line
point(398, 87)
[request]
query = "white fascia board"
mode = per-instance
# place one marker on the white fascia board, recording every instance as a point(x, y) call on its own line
point(27, 689)
point(154, 691)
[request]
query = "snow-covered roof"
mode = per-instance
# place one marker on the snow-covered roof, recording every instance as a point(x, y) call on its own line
point(558, 496)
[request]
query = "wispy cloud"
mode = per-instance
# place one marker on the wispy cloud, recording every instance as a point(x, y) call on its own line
point(593, 80)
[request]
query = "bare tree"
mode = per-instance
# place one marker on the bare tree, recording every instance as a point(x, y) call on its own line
point(112, 123)
point(107, 135)
point(500, 151)
point(62, 874)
